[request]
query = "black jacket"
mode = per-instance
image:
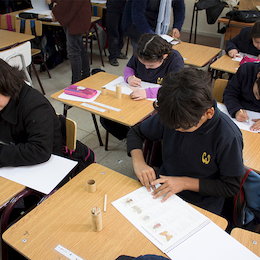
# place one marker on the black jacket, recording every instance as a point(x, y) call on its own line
point(30, 130)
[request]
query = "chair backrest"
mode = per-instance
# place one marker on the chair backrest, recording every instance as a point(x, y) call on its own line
point(29, 26)
point(7, 22)
point(219, 86)
point(19, 56)
point(71, 133)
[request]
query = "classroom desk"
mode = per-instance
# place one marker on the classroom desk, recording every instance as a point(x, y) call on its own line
point(195, 54)
point(131, 112)
point(249, 239)
point(8, 190)
point(65, 219)
point(225, 64)
point(233, 29)
point(9, 39)
point(251, 153)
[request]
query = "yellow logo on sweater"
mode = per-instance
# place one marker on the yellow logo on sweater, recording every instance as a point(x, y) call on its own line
point(205, 158)
point(159, 81)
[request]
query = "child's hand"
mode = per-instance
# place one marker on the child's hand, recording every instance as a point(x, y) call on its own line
point(256, 125)
point(241, 115)
point(170, 185)
point(48, 2)
point(138, 94)
point(134, 81)
point(145, 174)
point(233, 53)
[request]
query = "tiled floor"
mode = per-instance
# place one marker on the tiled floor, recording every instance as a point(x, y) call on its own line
point(116, 158)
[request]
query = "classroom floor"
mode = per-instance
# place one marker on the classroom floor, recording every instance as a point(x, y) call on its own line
point(115, 158)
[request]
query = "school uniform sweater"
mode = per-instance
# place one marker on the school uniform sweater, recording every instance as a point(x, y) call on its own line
point(238, 93)
point(30, 129)
point(243, 43)
point(174, 62)
point(141, 16)
point(212, 153)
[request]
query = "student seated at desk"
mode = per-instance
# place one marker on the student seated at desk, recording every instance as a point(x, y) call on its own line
point(29, 127)
point(202, 147)
point(153, 59)
point(247, 41)
point(243, 92)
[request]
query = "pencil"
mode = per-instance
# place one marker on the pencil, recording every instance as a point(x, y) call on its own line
point(243, 112)
point(105, 203)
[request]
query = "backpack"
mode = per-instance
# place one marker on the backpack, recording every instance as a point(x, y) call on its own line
point(246, 213)
point(243, 16)
point(83, 154)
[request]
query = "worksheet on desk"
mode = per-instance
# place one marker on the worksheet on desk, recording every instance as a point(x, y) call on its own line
point(125, 87)
point(164, 224)
point(242, 125)
point(178, 229)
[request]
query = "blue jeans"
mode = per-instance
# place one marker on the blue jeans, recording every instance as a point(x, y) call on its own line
point(78, 57)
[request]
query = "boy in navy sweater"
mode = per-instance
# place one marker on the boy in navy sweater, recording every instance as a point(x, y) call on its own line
point(202, 147)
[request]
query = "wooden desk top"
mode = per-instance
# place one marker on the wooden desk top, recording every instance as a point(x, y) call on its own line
point(195, 54)
point(93, 18)
point(249, 239)
point(8, 190)
point(9, 38)
point(131, 111)
point(235, 23)
point(251, 150)
point(226, 64)
point(65, 219)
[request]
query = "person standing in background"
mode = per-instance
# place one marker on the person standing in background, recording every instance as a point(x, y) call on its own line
point(115, 9)
point(141, 17)
point(75, 18)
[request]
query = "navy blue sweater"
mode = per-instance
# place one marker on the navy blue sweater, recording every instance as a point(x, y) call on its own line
point(212, 153)
point(243, 43)
point(238, 93)
point(174, 62)
point(143, 14)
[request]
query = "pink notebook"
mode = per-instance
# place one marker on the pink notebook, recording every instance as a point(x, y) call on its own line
point(80, 91)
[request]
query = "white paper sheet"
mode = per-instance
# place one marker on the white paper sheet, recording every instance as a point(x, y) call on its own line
point(164, 224)
point(242, 125)
point(42, 177)
point(241, 56)
point(178, 229)
point(125, 88)
point(211, 243)
point(169, 39)
point(40, 7)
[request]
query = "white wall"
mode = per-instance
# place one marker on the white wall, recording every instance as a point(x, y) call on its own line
point(203, 27)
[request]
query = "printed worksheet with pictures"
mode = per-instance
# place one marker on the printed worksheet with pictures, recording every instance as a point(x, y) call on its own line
point(178, 229)
point(164, 224)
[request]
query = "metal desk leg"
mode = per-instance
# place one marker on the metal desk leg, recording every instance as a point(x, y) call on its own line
point(106, 144)
point(65, 109)
point(97, 130)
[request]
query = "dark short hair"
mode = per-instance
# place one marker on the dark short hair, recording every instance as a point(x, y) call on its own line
point(11, 80)
point(152, 47)
point(255, 31)
point(184, 98)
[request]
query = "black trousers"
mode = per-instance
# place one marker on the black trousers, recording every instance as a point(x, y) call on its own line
point(117, 130)
point(115, 34)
